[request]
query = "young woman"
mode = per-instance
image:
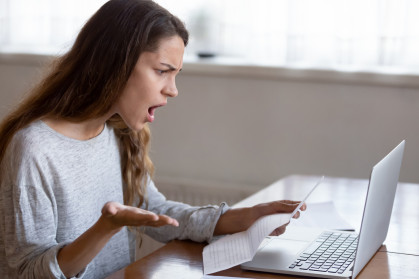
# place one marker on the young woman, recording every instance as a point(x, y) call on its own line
point(75, 169)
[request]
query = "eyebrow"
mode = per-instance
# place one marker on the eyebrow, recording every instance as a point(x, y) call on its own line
point(171, 67)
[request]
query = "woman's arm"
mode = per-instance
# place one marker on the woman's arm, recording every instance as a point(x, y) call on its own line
point(240, 219)
point(74, 257)
point(196, 223)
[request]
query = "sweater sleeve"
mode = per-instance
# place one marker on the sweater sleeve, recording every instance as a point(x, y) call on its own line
point(195, 223)
point(29, 221)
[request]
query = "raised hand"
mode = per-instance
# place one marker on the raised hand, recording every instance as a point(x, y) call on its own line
point(118, 215)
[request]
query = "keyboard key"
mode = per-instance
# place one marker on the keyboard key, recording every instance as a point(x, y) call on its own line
point(313, 247)
point(305, 266)
point(332, 270)
point(314, 268)
point(341, 271)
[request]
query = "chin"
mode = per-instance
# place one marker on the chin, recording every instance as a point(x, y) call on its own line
point(137, 127)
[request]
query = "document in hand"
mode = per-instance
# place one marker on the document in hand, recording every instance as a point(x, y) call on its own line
point(238, 248)
point(314, 218)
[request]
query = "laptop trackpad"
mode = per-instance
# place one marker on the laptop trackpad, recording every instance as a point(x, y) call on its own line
point(278, 253)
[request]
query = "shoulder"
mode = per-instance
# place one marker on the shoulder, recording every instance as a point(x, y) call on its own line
point(29, 141)
point(25, 148)
point(22, 154)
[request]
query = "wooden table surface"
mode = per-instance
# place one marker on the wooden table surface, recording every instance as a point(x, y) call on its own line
point(397, 258)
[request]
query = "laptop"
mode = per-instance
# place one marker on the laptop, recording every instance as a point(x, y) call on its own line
point(336, 254)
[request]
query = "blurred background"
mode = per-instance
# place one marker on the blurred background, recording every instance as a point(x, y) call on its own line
point(379, 35)
point(269, 88)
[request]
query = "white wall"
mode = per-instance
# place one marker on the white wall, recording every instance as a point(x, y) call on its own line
point(253, 128)
point(18, 73)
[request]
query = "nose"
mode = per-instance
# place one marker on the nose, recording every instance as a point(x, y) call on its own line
point(170, 88)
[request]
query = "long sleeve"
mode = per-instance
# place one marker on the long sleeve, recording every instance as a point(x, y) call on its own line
point(52, 190)
point(29, 237)
point(195, 223)
point(29, 221)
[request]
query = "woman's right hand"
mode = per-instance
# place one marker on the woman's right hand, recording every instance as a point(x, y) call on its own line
point(117, 216)
point(75, 256)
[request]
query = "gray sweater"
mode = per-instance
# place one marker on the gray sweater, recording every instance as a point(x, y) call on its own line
point(53, 189)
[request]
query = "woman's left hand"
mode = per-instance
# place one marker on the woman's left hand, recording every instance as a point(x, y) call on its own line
point(240, 219)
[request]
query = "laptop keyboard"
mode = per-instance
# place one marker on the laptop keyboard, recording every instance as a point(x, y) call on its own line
point(331, 252)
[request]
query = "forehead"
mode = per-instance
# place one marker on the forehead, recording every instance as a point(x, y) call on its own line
point(174, 42)
point(169, 50)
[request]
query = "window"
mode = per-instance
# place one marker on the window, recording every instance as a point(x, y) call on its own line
point(378, 35)
point(42, 26)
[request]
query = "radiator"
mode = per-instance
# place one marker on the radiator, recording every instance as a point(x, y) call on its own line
point(197, 193)
point(202, 193)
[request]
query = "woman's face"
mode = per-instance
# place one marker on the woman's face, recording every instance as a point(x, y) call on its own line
point(151, 82)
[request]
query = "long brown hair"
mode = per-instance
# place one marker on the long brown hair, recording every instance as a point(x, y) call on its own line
point(86, 82)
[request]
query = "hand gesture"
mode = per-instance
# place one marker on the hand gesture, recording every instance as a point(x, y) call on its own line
point(118, 216)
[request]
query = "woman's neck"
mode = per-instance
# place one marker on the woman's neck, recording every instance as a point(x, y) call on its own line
point(84, 130)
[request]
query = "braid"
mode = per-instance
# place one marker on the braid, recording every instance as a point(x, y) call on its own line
point(136, 163)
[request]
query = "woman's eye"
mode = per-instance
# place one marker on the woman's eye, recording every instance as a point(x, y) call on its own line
point(160, 72)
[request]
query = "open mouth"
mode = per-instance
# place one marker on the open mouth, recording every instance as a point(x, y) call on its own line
point(151, 111)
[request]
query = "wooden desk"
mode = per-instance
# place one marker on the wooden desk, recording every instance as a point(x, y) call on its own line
point(398, 258)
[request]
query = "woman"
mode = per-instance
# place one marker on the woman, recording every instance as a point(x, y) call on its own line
point(75, 169)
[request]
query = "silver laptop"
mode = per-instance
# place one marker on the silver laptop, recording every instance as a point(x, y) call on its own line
point(336, 254)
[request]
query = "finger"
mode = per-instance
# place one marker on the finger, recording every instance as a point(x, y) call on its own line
point(162, 221)
point(280, 230)
point(296, 215)
point(285, 206)
point(303, 207)
point(111, 209)
point(138, 213)
point(290, 202)
point(133, 216)
point(166, 220)
point(148, 216)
